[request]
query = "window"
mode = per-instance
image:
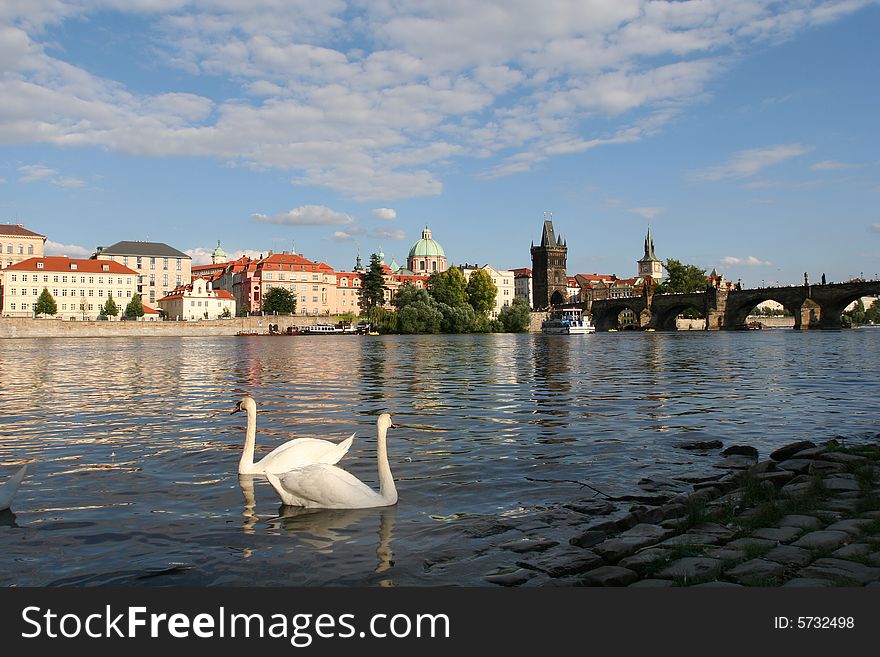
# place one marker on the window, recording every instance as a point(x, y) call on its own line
point(82, 280)
point(100, 293)
point(314, 299)
point(314, 288)
point(178, 279)
point(152, 263)
point(164, 263)
point(63, 306)
point(8, 248)
point(54, 291)
point(45, 278)
point(178, 264)
point(30, 249)
point(91, 305)
point(164, 280)
point(138, 261)
point(125, 260)
point(192, 303)
point(14, 279)
point(21, 249)
point(63, 279)
point(314, 277)
point(128, 294)
point(39, 265)
point(11, 306)
point(105, 267)
point(63, 292)
point(35, 291)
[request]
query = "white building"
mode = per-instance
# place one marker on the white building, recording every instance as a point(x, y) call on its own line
point(503, 280)
point(522, 284)
point(198, 300)
point(80, 288)
point(160, 268)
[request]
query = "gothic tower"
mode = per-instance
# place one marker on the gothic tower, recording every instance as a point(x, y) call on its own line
point(549, 281)
point(649, 264)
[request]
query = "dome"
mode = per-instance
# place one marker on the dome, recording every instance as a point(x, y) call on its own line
point(218, 254)
point(426, 247)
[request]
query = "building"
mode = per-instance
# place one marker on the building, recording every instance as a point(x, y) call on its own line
point(17, 243)
point(217, 266)
point(160, 268)
point(549, 281)
point(573, 290)
point(348, 292)
point(649, 265)
point(426, 256)
point(522, 284)
point(503, 280)
point(80, 287)
point(197, 300)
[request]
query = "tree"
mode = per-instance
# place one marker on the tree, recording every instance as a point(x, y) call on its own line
point(448, 287)
point(279, 300)
point(373, 291)
point(135, 307)
point(226, 312)
point(872, 314)
point(110, 309)
point(481, 292)
point(409, 293)
point(45, 304)
point(515, 318)
point(419, 317)
point(456, 319)
point(683, 278)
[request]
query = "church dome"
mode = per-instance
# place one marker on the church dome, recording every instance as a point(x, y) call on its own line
point(218, 254)
point(427, 247)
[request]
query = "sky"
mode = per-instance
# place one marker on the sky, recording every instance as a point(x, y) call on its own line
point(743, 133)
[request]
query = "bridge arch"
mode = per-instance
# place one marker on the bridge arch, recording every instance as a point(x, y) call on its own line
point(606, 313)
point(737, 313)
point(664, 319)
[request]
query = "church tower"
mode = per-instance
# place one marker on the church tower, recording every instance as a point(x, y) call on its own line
point(549, 280)
point(649, 264)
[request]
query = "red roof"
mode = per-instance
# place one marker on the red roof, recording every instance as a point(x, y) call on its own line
point(148, 310)
point(65, 264)
point(522, 271)
point(292, 262)
point(17, 230)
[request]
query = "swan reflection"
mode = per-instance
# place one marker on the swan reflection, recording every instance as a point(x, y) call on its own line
point(323, 528)
point(246, 483)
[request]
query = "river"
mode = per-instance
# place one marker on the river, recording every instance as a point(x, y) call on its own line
point(134, 476)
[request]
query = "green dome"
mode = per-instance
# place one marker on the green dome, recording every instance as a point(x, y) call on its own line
point(427, 247)
point(218, 254)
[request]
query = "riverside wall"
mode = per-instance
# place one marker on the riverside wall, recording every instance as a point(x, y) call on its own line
point(23, 327)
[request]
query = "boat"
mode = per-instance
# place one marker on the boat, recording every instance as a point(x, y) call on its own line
point(567, 321)
point(342, 328)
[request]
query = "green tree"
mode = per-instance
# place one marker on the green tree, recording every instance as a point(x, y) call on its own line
point(384, 320)
point(872, 314)
point(448, 287)
point(45, 304)
point(279, 300)
point(409, 293)
point(135, 307)
point(226, 313)
point(515, 318)
point(110, 309)
point(373, 291)
point(683, 278)
point(456, 319)
point(419, 317)
point(481, 292)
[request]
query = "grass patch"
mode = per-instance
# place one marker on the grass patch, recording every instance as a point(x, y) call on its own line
point(696, 512)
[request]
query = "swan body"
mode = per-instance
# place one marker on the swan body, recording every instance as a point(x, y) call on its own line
point(292, 454)
point(10, 488)
point(325, 486)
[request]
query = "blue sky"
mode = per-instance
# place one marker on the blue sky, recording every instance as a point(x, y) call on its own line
point(745, 133)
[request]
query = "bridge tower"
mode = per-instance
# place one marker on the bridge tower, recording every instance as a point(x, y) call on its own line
point(549, 280)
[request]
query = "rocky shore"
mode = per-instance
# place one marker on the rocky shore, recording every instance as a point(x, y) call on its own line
point(807, 516)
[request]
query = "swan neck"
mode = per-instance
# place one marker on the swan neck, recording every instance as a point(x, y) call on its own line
point(387, 489)
point(246, 463)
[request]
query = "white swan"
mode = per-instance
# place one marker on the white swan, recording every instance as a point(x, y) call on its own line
point(323, 486)
point(292, 454)
point(10, 488)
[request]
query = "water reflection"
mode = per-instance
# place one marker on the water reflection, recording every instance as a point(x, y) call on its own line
point(136, 461)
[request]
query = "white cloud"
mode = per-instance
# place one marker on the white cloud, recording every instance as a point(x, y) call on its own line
point(744, 164)
point(202, 255)
point(29, 173)
point(342, 236)
point(386, 214)
point(647, 213)
point(70, 250)
point(516, 80)
point(834, 165)
point(875, 228)
point(388, 234)
point(306, 215)
point(749, 261)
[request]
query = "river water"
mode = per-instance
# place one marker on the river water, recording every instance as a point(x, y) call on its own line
point(134, 475)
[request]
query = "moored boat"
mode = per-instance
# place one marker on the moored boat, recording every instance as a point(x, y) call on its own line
point(567, 321)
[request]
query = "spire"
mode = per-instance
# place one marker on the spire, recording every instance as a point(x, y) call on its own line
point(548, 238)
point(649, 246)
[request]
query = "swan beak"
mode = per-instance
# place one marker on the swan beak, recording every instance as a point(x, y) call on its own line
point(237, 409)
point(392, 426)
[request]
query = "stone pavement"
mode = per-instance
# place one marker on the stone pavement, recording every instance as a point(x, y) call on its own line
point(807, 516)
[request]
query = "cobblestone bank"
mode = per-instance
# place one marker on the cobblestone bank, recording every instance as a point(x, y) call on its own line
point(807, 516)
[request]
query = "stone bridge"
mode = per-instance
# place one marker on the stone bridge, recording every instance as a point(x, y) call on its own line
point(813, 306)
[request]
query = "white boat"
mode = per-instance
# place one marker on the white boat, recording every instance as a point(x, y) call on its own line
point(567, 321)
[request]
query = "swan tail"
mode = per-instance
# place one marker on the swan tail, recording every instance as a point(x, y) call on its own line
point(276, 484)
point(345, 445)
point(10, 488)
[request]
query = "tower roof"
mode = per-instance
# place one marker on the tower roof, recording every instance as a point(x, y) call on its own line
point(649, 248)
point(548, 238)
point(427, 246)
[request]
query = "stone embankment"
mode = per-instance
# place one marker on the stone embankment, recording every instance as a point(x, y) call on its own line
point(22, 327)
point(807, 516)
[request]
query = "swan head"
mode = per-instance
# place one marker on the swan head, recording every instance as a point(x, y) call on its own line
point(384, 422)
point(247, 404)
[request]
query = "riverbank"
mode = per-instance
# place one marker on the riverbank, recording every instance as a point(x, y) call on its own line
point(806, 516)
point(24, 327)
